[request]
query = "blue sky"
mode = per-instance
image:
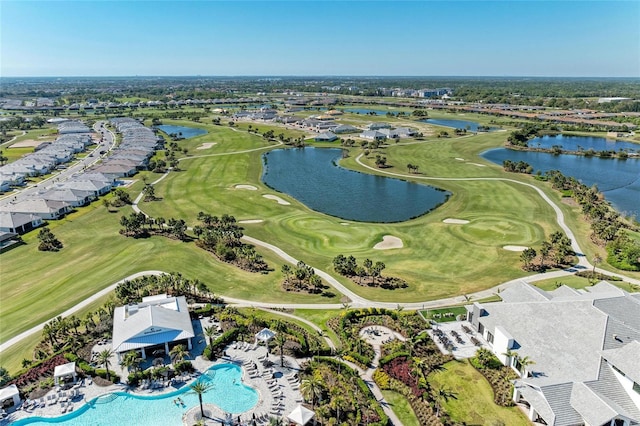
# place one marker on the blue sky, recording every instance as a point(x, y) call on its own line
point(425, 38)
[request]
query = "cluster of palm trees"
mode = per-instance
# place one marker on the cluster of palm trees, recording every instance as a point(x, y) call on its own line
point(138, 224)
point(48, 241)
point(131, 291)
point(349, 267)
point(222, 236)
point(302, 276)
point(557, 249)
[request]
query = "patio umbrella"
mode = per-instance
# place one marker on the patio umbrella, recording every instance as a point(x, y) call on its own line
point(265, 335)
point(301, 415)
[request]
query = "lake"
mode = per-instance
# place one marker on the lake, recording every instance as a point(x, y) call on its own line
point(618, 180)
point(574, 143)
point(312, 176)
point(187, 132)
point(456, 124)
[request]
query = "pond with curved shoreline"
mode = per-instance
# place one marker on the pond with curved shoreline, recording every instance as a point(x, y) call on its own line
point(182, 131)
point(313, 176)
point(582, 143)
point(617, 179)
point(471, 126)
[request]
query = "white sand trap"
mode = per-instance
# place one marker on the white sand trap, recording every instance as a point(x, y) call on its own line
point(344, 224)
point(389, 242)
point(248, 187)
point(459, 159)
point(456, 221)
point(514, 248)
point(251, 221)
point(479, 165)
point(206, 145)
point(276, 198)
point(29, 143)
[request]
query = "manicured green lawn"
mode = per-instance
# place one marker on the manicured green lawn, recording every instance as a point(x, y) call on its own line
point(95, 255)
point(576, 282)
point(12, 358)
point(441, 315)
point(437, 260)
point(320, 317)
point(401, 407)
point(473, 402)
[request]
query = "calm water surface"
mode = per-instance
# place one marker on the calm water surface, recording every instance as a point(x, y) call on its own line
point(312, 176)
point(228, 393)
point(187, 132)
point(575, 143)
point(472, 126)
point(619, 180)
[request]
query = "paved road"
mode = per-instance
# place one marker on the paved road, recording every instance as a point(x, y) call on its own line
point(107, 144)
point(75, 308)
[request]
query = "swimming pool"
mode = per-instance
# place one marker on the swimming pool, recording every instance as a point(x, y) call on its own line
point(119, 408)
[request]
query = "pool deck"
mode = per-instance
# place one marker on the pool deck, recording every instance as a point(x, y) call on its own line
point(278, 388)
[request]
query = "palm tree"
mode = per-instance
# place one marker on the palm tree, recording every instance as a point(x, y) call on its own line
point(4, 376)
point(484, 356)
point(441, 396)
point(200, 388)
point(311, 389)
point(523, 363)
point(178, 353)
point(131, 361)
point(280, 340)
point(104, 359)
point(511, 355)
point(210, 332)
point(596, 260)
point(276, 421)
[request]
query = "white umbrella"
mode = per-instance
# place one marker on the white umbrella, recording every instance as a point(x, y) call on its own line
point(301, 415)
point(265, 335)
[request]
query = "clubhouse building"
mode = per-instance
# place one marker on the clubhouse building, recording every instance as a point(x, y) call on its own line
point(152, 325)
point(585, 349)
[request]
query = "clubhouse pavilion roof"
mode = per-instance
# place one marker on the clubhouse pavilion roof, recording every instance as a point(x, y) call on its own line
point(157, 320)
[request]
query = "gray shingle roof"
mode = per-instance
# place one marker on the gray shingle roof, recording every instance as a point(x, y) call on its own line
point(626, 359)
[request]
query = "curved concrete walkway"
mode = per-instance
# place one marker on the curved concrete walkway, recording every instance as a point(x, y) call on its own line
point(76, 308)
point(309, 323)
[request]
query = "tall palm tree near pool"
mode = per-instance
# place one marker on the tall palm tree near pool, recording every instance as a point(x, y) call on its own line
point(311, 389)
point(210, 332)
point(200, 388)
point(131, 360)
point(104, 359)
point(178, 353)
point(280, 340)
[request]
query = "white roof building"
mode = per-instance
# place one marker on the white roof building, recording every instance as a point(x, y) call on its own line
point(585, 345)
point(155, 322)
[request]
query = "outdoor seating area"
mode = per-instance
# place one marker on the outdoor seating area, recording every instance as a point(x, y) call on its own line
point(456, 338)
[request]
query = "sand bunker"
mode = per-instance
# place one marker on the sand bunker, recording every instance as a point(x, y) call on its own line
point(515, 248)
point(479, 165)
point(344, 224)
point(249, 187)
point(28, 143)
point(206, 145)
point(459, 159)
point(456, 221)
point(251, 221)
point(276, 198)
point(389, 242)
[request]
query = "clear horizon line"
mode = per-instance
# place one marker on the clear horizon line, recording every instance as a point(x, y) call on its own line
point(308, 76)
